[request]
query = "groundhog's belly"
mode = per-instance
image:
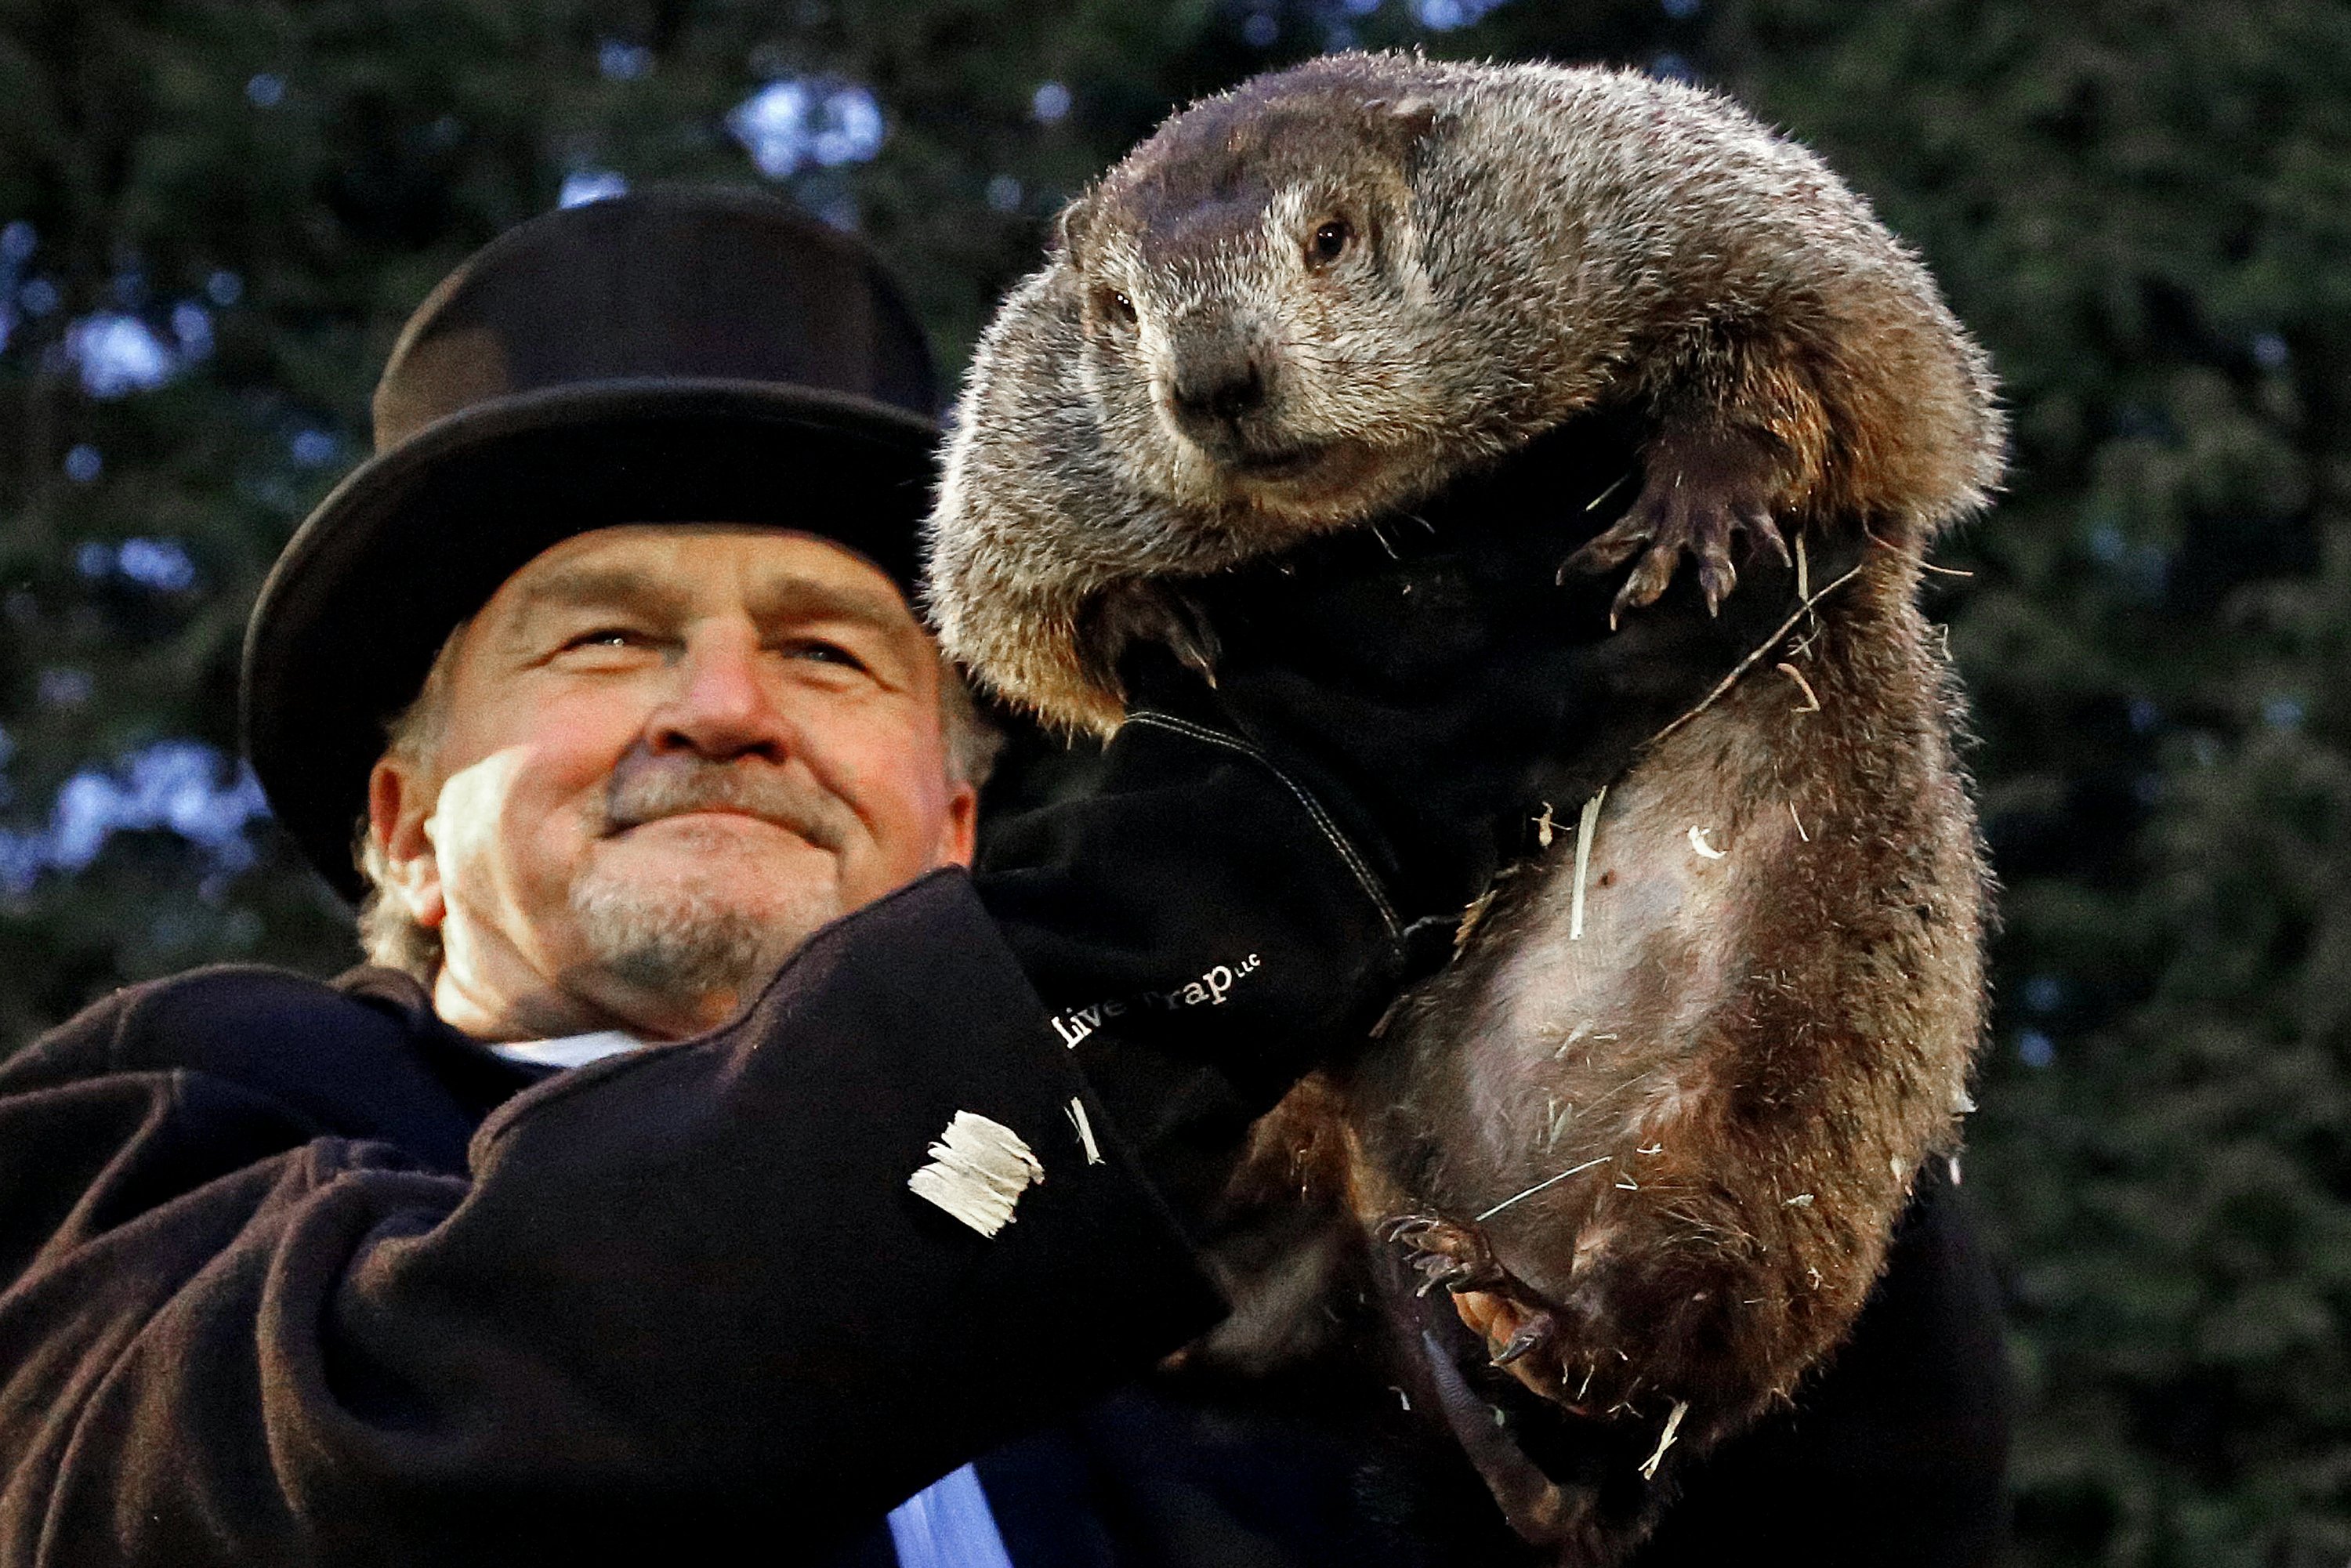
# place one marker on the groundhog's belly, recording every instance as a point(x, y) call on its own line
point(1581, 1038)
point(1651, 1128)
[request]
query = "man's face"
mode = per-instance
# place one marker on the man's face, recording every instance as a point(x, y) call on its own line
point(669, 754)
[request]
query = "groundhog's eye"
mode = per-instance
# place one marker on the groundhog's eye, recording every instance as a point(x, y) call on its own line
point(1330, 241)
point(1115, 306)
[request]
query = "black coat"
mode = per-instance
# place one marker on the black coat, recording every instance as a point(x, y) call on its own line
point(292, 1273)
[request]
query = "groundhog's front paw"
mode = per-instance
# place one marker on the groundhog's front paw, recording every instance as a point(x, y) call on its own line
point(1701, 490)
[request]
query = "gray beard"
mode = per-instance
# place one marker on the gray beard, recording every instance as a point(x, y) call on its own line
point(677, 944)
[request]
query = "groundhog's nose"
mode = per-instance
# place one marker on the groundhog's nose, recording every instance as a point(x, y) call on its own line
point(1219, 388)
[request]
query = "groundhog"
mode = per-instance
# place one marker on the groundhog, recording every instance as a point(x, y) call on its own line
point(1651, 1129)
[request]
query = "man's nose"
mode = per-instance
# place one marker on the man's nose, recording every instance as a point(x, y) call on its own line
point(718, 706)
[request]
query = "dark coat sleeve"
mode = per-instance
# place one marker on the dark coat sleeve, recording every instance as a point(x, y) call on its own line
point(678, 1295)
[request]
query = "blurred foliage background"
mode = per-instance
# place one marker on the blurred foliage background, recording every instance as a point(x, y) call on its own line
point(215, 213)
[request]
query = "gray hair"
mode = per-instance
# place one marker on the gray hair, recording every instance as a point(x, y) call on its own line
point(391, 936)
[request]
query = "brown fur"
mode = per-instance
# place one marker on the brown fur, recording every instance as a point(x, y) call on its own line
point(1754, 1049)
point(1528, 243)
point(1759, 1050)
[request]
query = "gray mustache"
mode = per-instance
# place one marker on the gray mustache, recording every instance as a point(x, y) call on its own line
point(645, 788)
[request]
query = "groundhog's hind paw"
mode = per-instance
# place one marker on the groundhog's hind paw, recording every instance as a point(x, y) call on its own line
point(1522, 1334)
point(1443, 1253)
point(1689, 503)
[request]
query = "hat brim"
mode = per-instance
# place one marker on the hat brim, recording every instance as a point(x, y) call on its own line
point(418, 538)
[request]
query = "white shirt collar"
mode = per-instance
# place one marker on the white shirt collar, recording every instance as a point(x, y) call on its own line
point(570, 1049)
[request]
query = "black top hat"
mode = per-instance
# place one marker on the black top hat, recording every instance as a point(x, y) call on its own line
point(670, 356)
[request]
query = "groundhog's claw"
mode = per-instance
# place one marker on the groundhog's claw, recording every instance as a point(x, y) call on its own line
point(1491, 1301)
point(1443, 1253)
point(1535, 1332)
point(1700, 493)
point(1660, 535)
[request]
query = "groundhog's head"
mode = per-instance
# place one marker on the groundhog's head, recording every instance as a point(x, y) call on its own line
point(1257, 330)
point(1234, 345)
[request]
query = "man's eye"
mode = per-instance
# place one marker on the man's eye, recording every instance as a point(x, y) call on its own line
point(827, 653)
point(606, 637)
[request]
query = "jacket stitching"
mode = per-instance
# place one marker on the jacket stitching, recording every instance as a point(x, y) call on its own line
point(1322, 823)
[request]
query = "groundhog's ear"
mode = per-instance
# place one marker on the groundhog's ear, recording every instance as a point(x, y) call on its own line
point(1405, 123)
point(1071, 228)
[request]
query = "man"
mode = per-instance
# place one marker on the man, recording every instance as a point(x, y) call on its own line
point(709, 1174)
point(649, 768)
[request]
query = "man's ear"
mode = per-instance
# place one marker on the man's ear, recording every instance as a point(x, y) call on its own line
point(400, 808)
point(959, 835)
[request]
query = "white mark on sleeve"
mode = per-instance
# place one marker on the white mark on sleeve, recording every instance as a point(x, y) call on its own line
point(978, 1170)
point(1077, 1109)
